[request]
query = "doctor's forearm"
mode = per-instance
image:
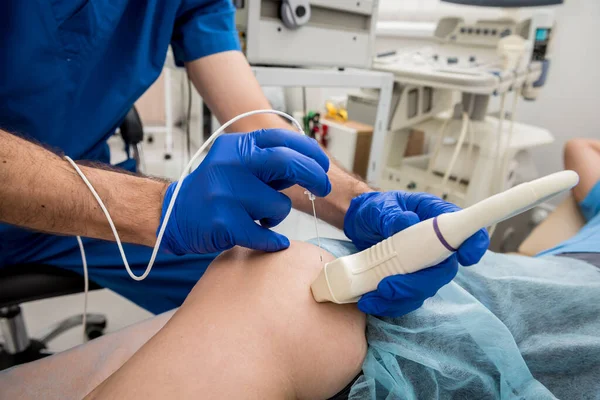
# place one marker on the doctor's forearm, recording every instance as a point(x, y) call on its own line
point(332, 209)
point(41, 191)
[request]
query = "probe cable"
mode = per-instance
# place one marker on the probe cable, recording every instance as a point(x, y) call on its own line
point(504, 167)
point(163, 226)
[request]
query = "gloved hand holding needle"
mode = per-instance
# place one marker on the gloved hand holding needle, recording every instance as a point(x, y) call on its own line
point(237, 184)
point(239, 181)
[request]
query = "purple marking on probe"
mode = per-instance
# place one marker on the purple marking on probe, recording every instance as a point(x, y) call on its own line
point(439, 235)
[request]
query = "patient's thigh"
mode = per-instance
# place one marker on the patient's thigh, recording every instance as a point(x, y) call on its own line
point(73, 373)
point(251, 329)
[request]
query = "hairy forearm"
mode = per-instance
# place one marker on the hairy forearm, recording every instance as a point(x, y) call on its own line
point(41, 191)
point(227, 84)
point(332, 209)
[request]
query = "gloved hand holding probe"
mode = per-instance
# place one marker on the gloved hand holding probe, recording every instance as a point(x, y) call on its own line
point(375, 216)
point(238, 183)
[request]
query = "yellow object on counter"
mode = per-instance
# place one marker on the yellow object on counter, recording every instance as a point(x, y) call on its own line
point(336, 113)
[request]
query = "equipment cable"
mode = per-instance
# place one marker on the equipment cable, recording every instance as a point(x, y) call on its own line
point(167, 215)
point(457, 149)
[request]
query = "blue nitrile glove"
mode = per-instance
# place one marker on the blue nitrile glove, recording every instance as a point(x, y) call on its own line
point(238, 183)
point(375, 216)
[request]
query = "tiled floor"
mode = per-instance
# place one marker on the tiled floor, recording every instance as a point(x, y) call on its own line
point(119, 311)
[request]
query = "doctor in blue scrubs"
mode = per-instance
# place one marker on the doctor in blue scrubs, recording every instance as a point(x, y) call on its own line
point(69, 72)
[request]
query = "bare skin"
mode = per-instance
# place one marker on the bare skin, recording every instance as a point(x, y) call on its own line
point(249, 329)
point(73, 373)
point(583, 157)
point(41, 191)
point(251, 315)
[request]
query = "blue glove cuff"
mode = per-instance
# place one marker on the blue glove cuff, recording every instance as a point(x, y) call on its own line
point(172, 237)
point(350, 217)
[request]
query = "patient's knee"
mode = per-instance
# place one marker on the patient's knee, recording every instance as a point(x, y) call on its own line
point(315, 342)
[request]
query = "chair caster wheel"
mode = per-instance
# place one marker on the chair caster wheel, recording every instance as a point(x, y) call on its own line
point(93, 331)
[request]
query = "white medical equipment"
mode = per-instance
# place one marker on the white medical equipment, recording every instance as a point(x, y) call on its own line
point(506, 3)
point(161, 231)
point(336, 33)
point(294, 13)
point(429, 242)
point(445, 90)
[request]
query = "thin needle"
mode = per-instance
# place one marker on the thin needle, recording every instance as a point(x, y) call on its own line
point(317, 229)
point(312, 200)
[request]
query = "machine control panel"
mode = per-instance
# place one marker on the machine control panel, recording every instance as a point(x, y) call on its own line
point(481, 33)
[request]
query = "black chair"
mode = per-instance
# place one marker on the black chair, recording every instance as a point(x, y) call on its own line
point(132, 132)
point(23, 283)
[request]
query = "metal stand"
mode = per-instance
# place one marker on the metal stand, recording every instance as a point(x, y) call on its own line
point(18, 348)
point(14, 332)
point(168, 115)
point(296, 77)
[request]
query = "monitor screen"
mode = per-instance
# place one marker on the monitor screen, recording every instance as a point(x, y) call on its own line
point(541, 34)
point(506, 3)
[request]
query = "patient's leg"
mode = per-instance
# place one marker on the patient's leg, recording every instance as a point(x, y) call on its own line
point(583, 157)
point(249, 329)
point(75, 372)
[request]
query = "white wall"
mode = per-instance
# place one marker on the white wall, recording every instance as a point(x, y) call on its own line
point(569, 105)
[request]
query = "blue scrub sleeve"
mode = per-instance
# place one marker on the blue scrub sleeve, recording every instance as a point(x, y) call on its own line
point(202, 28)
point(590, 206)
